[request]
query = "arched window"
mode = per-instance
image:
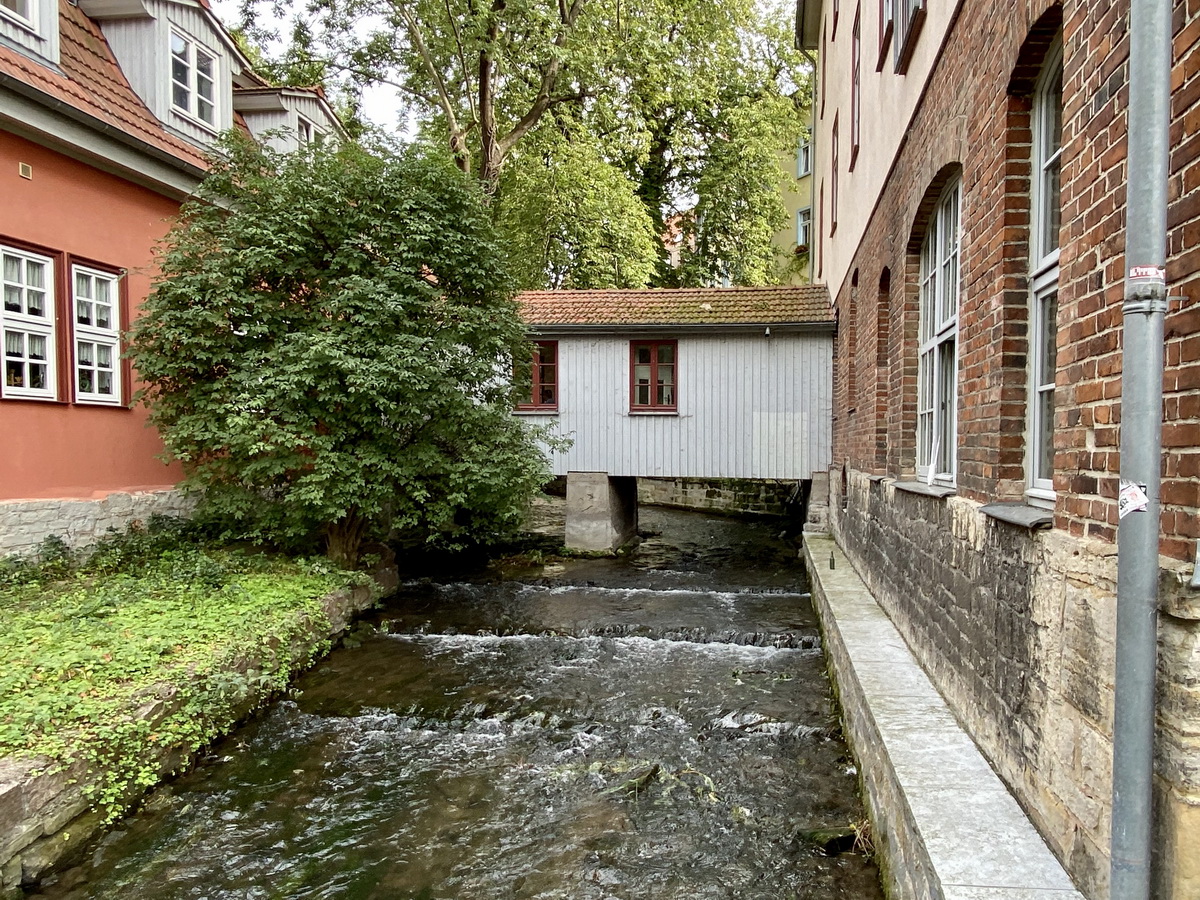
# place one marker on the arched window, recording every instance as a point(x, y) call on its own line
point(937, 367)
point(1043, 276)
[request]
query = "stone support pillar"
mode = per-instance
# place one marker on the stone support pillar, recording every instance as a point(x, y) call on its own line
point(601, 510)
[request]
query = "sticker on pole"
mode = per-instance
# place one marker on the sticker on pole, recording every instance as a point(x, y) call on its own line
point(1148, 272)
point(1131, 499)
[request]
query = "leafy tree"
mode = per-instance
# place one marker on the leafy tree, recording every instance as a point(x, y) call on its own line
point(575, 220)
point(322, 350)
point(684, 99)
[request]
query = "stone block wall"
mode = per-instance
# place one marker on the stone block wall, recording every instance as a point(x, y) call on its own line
point(24, 524)
point(734, 495)
point(1016, 629)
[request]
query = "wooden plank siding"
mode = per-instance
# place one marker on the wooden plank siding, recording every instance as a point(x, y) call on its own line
point(749, 406)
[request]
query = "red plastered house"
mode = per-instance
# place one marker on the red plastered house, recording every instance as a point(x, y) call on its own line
point(107, 109)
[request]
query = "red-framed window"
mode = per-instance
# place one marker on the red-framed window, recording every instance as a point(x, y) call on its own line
point(543, 380)
point(855, 86)
point(653, 376)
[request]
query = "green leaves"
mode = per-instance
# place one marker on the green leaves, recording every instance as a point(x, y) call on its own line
point(80, 655)
point(326, 342)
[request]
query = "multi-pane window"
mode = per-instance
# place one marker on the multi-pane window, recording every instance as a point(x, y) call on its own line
point(855, 86)
point(543, 388)
point(804, 155)
point(908, 16)
point(937, 394)
point(28, 325)
point(833, 179)
point(193, 79)
point(97, 337)
point(21, 9)
point(653, 376)
point(886, 16)
point(803, 228)
point(1043, 259)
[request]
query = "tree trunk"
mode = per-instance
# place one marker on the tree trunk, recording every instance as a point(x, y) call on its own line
point(343, 539)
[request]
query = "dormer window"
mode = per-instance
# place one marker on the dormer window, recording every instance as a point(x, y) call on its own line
point(21, 10)
point(193, 79)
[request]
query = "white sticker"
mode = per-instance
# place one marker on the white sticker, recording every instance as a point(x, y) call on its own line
point(1131, 499)
point(1148, 272)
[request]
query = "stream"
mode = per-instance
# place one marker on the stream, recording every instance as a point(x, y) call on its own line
point(656, 726)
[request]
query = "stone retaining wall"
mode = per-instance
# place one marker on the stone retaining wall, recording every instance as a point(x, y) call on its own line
point(1016, 629)
point(737, 495)
point(24, 524)
point(46, 818)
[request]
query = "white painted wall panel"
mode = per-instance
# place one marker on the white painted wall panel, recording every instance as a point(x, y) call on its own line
point(749, 406)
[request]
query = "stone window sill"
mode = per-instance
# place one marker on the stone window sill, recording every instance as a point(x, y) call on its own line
point(938, 491)
point(1020, 514)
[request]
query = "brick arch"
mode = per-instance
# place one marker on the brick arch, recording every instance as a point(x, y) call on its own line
point(933, 193)
point(1038, 40)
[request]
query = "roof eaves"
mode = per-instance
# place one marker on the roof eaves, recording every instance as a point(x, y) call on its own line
point(94, 123)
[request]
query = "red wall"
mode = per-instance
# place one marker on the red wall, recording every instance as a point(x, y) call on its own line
point(62, 449)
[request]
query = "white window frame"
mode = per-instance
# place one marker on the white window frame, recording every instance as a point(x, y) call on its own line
point(804, 155)
point(937, 368)
point(20, 322)
point(1043, 280)
point(192, 110)
point(30, 21)
point(90, 332)
point(804, 227)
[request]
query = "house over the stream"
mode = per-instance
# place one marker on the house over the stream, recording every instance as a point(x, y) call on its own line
point(705, 383)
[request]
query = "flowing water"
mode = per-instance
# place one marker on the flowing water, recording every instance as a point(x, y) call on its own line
point(656, 727)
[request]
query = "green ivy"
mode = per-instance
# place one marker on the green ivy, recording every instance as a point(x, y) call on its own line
point(87, 642)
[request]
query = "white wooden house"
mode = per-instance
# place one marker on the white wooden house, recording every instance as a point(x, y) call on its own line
point(689, 383)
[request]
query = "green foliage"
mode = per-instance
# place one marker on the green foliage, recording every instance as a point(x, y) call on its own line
point(575, 221)
point(560, 109)
point(151, 621)
point(322, 350)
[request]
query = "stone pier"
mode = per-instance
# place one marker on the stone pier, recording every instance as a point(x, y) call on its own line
point(602, 510)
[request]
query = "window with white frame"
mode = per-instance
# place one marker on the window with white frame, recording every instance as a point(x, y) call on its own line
point(97, 336)
point(193, 79)
point(21, 10)
point(27, 321)
point(1043, 262)
point(804, 155)
point(803, 228)
point(937, 371)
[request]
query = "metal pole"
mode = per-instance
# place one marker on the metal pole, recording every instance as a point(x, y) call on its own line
point(1141, 445)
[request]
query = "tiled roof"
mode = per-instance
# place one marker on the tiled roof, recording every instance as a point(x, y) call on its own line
point(808, 304)
point(93, 83)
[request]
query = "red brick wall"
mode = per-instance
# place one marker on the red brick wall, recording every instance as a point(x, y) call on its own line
point(974, 117)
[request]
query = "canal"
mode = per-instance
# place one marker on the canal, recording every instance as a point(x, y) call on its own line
point(656, 726)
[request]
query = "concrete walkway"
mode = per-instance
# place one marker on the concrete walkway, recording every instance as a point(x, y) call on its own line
point(945, 825)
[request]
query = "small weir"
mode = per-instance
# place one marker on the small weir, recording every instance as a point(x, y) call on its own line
point(575, 736)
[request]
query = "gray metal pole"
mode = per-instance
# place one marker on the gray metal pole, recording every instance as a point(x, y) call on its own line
point(1141, 446)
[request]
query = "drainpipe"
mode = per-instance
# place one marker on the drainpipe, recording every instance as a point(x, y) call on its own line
point(1145, 304)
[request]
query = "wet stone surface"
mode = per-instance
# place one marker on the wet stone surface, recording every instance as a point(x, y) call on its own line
point(652, 727)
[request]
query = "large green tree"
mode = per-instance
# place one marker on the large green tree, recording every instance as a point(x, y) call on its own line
point(689, 103)
point(321, 352)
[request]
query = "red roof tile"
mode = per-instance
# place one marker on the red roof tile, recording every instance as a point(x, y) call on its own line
point(93, 83)
point(808, 304)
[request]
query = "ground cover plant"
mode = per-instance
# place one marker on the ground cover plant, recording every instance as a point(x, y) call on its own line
point(155, 616)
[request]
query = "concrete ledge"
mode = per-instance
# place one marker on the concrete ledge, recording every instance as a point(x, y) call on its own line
point(945, 825)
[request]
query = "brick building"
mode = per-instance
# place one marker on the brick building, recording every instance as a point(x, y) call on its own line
point(969, 223)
